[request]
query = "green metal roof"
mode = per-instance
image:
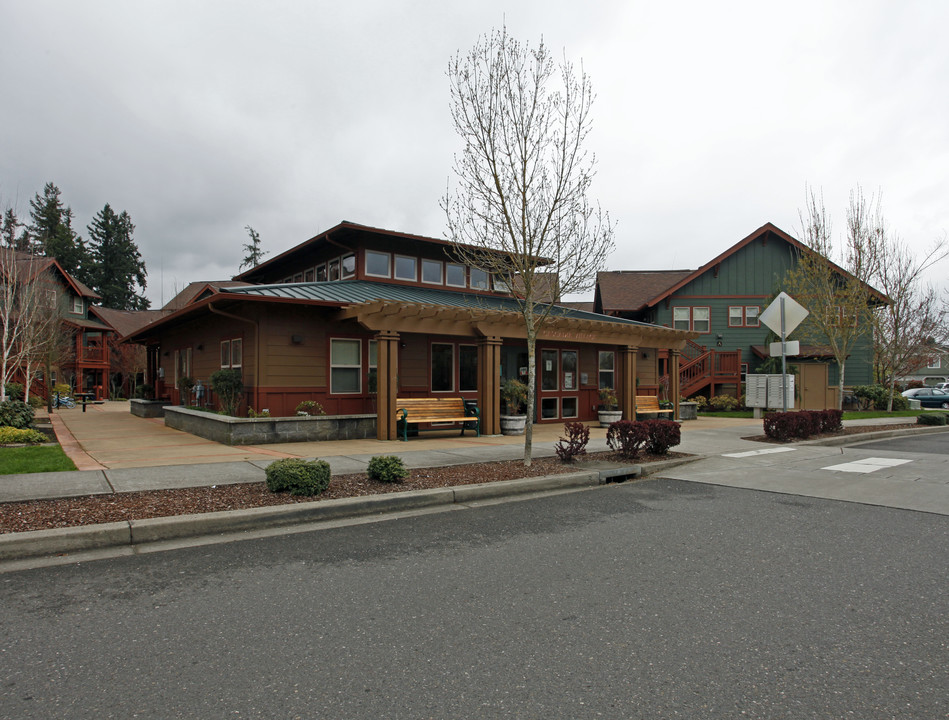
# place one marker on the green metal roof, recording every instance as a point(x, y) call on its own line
point(354, 292)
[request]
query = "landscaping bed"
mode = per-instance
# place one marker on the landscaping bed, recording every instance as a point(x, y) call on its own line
point(92, 509)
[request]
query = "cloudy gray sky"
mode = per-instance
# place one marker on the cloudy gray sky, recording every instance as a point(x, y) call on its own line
point(199, 118)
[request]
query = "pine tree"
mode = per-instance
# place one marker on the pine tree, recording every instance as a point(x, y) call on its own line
point(13, 232)
point(252, 249)
point(118, 271)
point(52, 233)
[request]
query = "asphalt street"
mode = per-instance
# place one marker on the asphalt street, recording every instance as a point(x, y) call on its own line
point(655, 599)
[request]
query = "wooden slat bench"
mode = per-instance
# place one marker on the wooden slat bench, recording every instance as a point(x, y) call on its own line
point(436, 410)
point(649, 404)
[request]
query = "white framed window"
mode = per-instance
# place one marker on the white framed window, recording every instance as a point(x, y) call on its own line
point(78, 306)
point(443, 367)
point(549, 408)
point(298, 278)
point(502, 284)
point(225, 353)
point(680, 318)
point(406, 268)
point(934, 363)
point(569, 407)
point(237, 353)
point(377, 263)
point(373, 377)
point(549, 370)
point(321, 273)
point(607, 369)
point(432, 272)
point(348, 265)
point(345, 366)
point(701, 321)
point(477, 279)
point(333, 267)
point(455, 275)
point(308, 275)
point(735, 316)
point(751, 315)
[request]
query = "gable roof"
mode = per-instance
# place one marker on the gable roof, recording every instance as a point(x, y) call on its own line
point(193, 289)
point(763, 230)
point(125, 322)
point(631, 290)
point(35, 264)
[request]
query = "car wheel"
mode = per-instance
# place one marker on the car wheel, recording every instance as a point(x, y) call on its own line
point(945, 406)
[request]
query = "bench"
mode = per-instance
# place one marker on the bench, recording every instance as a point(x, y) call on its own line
point(436, 410)
point(649, 404)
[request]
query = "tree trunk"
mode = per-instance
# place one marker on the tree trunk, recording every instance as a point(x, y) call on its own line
point(531, 389)
point(840, 387)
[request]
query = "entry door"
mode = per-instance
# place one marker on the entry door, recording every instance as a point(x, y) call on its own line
point(813, 386)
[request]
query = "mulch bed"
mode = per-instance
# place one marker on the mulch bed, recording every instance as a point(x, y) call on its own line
point(91, 509)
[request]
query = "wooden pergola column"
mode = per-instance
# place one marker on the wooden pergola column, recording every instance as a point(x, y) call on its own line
point(387, 385)
point(628, 400)
point(489, 384)
point(674, 381)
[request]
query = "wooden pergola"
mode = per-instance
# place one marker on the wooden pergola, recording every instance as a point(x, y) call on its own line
point(490, 327)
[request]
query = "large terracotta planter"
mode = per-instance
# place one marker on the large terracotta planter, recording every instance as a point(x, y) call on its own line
point(513, 424)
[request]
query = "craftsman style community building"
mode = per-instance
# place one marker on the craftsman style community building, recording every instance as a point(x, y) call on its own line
point(357, 317)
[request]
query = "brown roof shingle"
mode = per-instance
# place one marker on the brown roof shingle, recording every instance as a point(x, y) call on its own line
point(629, 290)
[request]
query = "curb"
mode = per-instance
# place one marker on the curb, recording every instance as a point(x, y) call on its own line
point(871, 436)
point(40, 543)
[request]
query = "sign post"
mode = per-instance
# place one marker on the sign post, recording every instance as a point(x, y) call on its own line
point(783, 315)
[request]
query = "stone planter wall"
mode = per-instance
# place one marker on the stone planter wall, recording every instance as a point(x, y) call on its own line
point(262, 431)
point(148, 408)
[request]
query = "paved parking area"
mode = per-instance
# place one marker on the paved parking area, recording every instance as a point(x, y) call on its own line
point(911, 473)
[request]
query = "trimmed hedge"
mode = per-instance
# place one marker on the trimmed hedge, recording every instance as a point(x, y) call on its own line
point(801, 424)
point(299, 477)
point(21, 436)
point(931, 419)
point(387, 468)
point(630, 438)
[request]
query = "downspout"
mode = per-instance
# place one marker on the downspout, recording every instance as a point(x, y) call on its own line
point(256, 347)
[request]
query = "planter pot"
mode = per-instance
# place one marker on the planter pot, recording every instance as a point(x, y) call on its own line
point(608, 417)
point(513, 424)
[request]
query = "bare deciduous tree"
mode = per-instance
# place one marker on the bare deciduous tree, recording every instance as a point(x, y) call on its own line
point(519, 210)
point(839, 297)
point(18, 299)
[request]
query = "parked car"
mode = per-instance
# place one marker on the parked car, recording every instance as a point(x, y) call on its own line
point(930, 397)
point(912, 391)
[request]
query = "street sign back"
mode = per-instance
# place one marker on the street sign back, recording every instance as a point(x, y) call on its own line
point(794, 314)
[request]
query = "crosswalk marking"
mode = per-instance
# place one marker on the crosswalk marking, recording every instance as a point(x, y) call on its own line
point(867, 465)
point(751, 453)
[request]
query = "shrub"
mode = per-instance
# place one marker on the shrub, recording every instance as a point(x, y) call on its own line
point(228, 383)
point(299, 477)
point(37, 402)
point(387, 468)
point(578, 435)
point(608, 398)
point(802, 424)
point(14, 391)
point(627, 437)
point(16, 414)
point(145, 391)
point(722, 403)
point(700, 401)
point(18, 436)
point(251, 413)
point(310, 407)
point(514, 395)
point(62, 388)
point(900, 402)
point(662, 434)
point(831, 420)
point(931, 419)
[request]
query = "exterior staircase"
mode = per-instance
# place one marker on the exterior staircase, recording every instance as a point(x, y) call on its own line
point(701, 368)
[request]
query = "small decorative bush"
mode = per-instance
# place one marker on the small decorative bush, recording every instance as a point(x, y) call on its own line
point(251, 413)
point(723, 403)
point(17, 436)
point(387, 468)
point(37, 402)
point(608, 398)
point(62, 388)
point(700, 401)
point(299, 477)
point(228, 384)
point(14, 391)
point(514, 395)
point(627, 437)
point(931, 419)
point(662, 435)
point(16, 414)
point(310, 407)
point(578, 435)
point(900, 402)
point(802, 424)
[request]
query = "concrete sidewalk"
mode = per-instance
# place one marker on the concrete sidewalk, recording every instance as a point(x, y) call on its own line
point(116, 451)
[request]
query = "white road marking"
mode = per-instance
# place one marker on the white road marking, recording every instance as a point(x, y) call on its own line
point(751, 453)
point(867, 465)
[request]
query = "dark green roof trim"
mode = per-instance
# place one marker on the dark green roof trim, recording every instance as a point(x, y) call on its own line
point(354, 292)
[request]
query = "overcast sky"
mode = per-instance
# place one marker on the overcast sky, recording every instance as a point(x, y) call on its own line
point(199, 118)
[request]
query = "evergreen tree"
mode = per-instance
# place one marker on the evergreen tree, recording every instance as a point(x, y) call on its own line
point(13, 232)
point(118, 271)
point(53, 236)
point(252, 249)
